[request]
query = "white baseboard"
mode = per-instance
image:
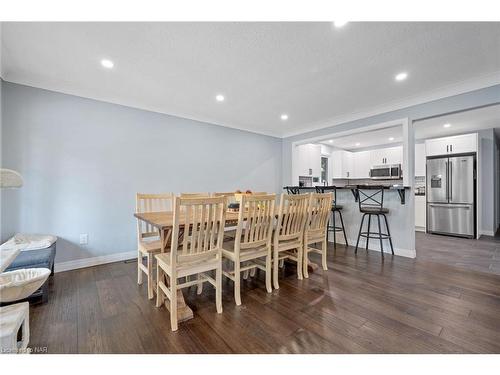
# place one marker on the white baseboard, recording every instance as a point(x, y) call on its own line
point(375, 245)
point(94, 261)
point(420, 229)
point(486, 232)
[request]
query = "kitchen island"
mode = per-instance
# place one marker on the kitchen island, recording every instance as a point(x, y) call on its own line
point(400, 223)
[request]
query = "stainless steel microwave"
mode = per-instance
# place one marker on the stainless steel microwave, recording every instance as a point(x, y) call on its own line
point(386, 172)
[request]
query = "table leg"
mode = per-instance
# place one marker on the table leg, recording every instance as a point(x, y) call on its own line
point(184, 312)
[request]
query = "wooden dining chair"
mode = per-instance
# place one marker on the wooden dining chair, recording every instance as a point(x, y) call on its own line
point(148, 241)
point(288, 241)
point(316, 227)
point(195, 195)
point(252, 241)
point(200, 222)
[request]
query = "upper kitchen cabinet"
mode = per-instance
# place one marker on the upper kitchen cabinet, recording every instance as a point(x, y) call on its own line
point(341, 164)
point(458, 144)
point(389, 155)
point(308, 158)
point(419, 159)
point(362, 164)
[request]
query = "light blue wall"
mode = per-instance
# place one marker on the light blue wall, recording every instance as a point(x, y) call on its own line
point(83, 161)
point(402, 216)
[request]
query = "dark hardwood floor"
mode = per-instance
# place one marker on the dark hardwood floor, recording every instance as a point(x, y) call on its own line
point(360, 305)
point(481, 255)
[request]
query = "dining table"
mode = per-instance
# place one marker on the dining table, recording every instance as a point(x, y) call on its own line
point(164, 222)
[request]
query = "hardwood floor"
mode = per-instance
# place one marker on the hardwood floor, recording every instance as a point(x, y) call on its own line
point(481, 255)
point(360, 305)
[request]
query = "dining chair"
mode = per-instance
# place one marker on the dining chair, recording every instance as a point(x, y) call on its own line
point(195, 195)
point(316, 227)
point(252, 241)
point(288, 241)
point(148, 241)
point(197, 237)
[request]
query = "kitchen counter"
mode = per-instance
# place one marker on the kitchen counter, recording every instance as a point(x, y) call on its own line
point(401, 189)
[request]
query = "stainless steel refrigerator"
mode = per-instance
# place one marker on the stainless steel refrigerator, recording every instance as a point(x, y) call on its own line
point(451, 195)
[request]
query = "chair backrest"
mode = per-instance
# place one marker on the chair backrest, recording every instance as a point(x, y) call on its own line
point(195, 195)
point(370, 196)
point(231, 198)
point(201, 222)
point(151, 203)
point(318, 210)
point(292, 215)
point(255, 222)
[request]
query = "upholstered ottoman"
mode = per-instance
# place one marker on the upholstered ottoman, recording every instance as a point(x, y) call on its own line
point(39, 258)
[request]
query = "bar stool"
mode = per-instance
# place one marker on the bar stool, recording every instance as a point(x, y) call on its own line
point(332, 227)
point(371, 203)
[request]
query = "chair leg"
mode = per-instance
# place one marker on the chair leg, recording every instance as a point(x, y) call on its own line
point(359, 233)
point(139, 270)
point(245, 274)
point(300, 258)
point(173, 302)
point(218, 289)
point(199, 288)
point(269, 271)
point(380, 236)
point(159, 292)
point(388, 233)
point(368, 231)
point(282, 263)
point(237, 283)
point(275, 268)
point(324, 249)
point(306, 261)
point(150, 276)
point(343, 227)
point(334, 231)
point(253, 271)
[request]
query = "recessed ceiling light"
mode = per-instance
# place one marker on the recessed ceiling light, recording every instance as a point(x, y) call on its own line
point(447, 125)
point(220, 98)
point(358, 144)
point(284, 117)
point(391, 138)
point(401, 76)
point(331, 141)
point(107, 63)
point(339, 24)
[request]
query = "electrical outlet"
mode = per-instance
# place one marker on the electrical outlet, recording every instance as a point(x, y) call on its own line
point(84, 239)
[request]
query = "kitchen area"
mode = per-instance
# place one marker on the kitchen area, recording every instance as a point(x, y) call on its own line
point(366, 159)
point(455, 184)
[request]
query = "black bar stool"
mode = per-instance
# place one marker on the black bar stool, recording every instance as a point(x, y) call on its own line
point(371, 203)
point(332, 227)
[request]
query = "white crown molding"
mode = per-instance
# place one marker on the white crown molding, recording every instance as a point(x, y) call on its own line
point(441, 93)
point(125, 103)
point(444, 92)
point(94, 261)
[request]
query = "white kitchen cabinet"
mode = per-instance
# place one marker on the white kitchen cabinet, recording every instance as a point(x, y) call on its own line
point(420, 207)
point(420, 159)
point(458, 144)
point(388, 155)
point(342, 164)
point(362, 164)
point(308, 159)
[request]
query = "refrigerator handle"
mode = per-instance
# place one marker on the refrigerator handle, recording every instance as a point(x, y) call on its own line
point(447, 182)
point(451, 179)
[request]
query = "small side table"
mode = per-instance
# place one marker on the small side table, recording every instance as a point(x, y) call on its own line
point(12, 318)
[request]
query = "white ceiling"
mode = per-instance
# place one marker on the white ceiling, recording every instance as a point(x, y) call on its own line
point(317, 74)
point(462, 122)
point(367, 139)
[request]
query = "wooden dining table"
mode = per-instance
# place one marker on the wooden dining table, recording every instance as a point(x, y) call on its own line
point(164, 222)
